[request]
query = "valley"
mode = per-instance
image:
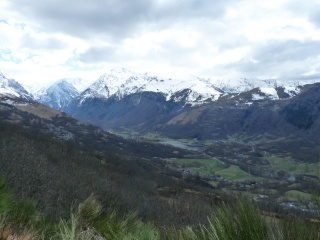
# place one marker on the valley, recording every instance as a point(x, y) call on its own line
point(159, 120)
point(254, 169)
point(172, 159)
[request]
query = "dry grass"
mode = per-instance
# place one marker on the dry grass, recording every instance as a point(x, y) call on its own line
point(185, 118)
point(39, 110)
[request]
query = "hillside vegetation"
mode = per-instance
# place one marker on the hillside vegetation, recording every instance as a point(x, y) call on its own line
point(20, 220)
point(66, 180)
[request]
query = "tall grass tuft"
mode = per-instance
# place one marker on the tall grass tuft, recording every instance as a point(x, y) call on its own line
point(112, 226)
point(23, 212)
point(6, 198)
point(17, 218)
point(71, 230)
point(297, 229)
point(243, 221)
point(89, 210)
point(79, 227)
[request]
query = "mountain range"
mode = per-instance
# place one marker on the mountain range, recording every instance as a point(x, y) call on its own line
point(189, 107)
point(191, 90)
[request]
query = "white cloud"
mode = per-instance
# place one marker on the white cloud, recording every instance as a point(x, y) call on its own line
point(41, 40)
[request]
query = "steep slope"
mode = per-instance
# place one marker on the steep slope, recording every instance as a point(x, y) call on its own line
point(122, 98)
point(58, 161)
point(137, 110)
point(295, 119)
point(43, 119)
point(10, 87)
point(290, 125)
point(303, 111)
point(254, 112)
point(59, 94)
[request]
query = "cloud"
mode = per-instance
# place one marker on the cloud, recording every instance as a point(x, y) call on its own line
point(306, 77)
point(290, 50)
point(190, 9)
point(289, 59)
point(222, 39)
point(114, 18)
point(98, 54)
point(49, 43)
point(83, 18)
point(315, 16)
point(309, 10)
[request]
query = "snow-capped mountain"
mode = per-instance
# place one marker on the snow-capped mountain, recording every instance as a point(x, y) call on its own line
point(190, 90)
point(267, 86)
point(59, 94)
point(11, 88)
point(193, 90)
point(122, 99)
point(121, 82)
point(243, 84)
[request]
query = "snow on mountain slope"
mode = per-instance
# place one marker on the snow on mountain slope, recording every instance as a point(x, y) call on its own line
point(292, 88)
point(265, 93)
point(58, 95)
point(121, 82)
point(193, 90)
point(11, 88)
point(79, 84)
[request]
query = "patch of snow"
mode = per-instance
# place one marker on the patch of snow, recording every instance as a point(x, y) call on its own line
point(271, 93)
point(14, 102)
point(256, 97)
point(21, 104)
point(291, 90)
point(9, 101)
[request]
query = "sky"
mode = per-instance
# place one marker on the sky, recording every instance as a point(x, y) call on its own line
point(42, 41)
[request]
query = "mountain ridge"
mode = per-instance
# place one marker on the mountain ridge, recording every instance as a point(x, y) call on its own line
point(10, 87)
point(191, 90)
point(121, 82)
point(191, 107)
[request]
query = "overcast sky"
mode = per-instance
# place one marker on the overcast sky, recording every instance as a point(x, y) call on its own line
point(44, 40)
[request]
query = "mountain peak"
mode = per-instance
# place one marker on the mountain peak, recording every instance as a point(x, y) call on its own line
point(120, 70)
point(59, 94)
point(11, 88)
point(121, 82)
